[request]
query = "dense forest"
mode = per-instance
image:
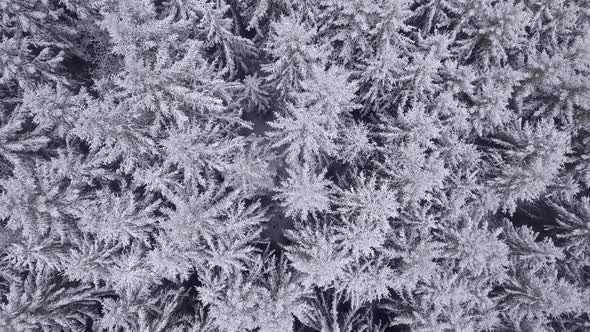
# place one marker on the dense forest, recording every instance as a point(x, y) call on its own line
point(294, 165)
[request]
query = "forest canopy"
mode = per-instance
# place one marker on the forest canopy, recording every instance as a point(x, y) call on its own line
point(294, 165)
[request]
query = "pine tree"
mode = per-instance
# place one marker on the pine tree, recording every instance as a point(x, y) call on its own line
point(42, 302)
point(317, 253)
point(305, 192)
point(293, 56)
point(530, 157)
point(304, 134)
point(493, 31)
